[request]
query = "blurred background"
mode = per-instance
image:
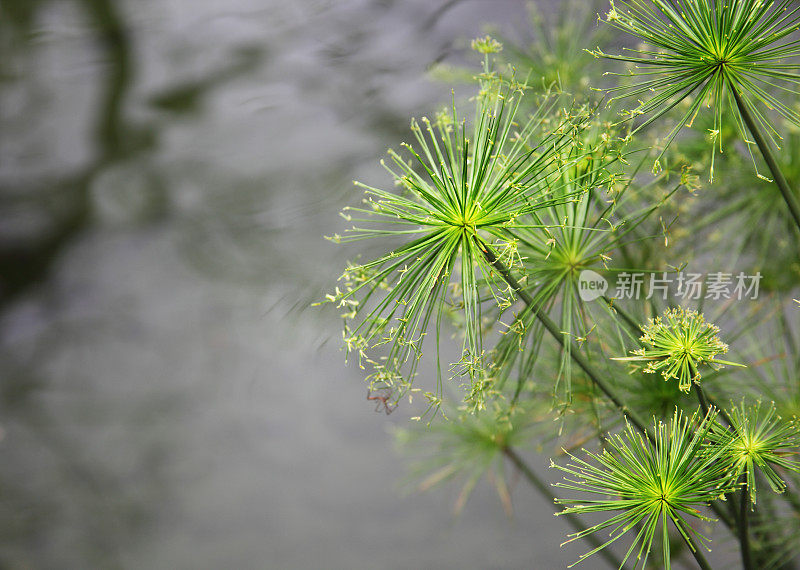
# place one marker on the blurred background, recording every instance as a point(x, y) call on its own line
point(167, 397)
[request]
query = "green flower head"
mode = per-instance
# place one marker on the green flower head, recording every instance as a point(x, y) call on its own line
point(455, 197)
point(470, 447)
point(648, 485)
point(677, 344)
point(759, 439)
point(486, 45)
point(714, 52)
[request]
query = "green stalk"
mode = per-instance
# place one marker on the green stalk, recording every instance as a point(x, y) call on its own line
point(769, 158)
point(741, 516)
point(632, 324)
point(701, 397)
point(744, 534)
point(572, 519)
point(557, 334)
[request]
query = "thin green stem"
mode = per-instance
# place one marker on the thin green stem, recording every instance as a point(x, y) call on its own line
point(761, 536)
point(703, 400)
point(632, 324)
point(572, 519)
point(701, 397)
point(744, 534)
point(741, 515)
point(562, 339)
point(769, 158)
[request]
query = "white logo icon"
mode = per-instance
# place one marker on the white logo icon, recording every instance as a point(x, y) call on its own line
point(591, 285)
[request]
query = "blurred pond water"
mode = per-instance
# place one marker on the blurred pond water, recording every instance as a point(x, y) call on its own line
point(167, 171)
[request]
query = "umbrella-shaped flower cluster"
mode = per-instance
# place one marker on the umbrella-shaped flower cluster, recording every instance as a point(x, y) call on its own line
point(455, 197)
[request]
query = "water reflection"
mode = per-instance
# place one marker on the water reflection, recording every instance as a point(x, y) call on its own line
point(166, 171)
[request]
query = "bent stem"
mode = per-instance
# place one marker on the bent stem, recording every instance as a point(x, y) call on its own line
point(572, 519)
point(769, 158)
point(560, 337)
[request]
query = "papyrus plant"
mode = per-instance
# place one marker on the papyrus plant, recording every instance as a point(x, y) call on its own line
point(488, 226)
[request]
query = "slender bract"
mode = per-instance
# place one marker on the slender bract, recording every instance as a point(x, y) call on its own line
point(649, 487)
point(704, 51)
